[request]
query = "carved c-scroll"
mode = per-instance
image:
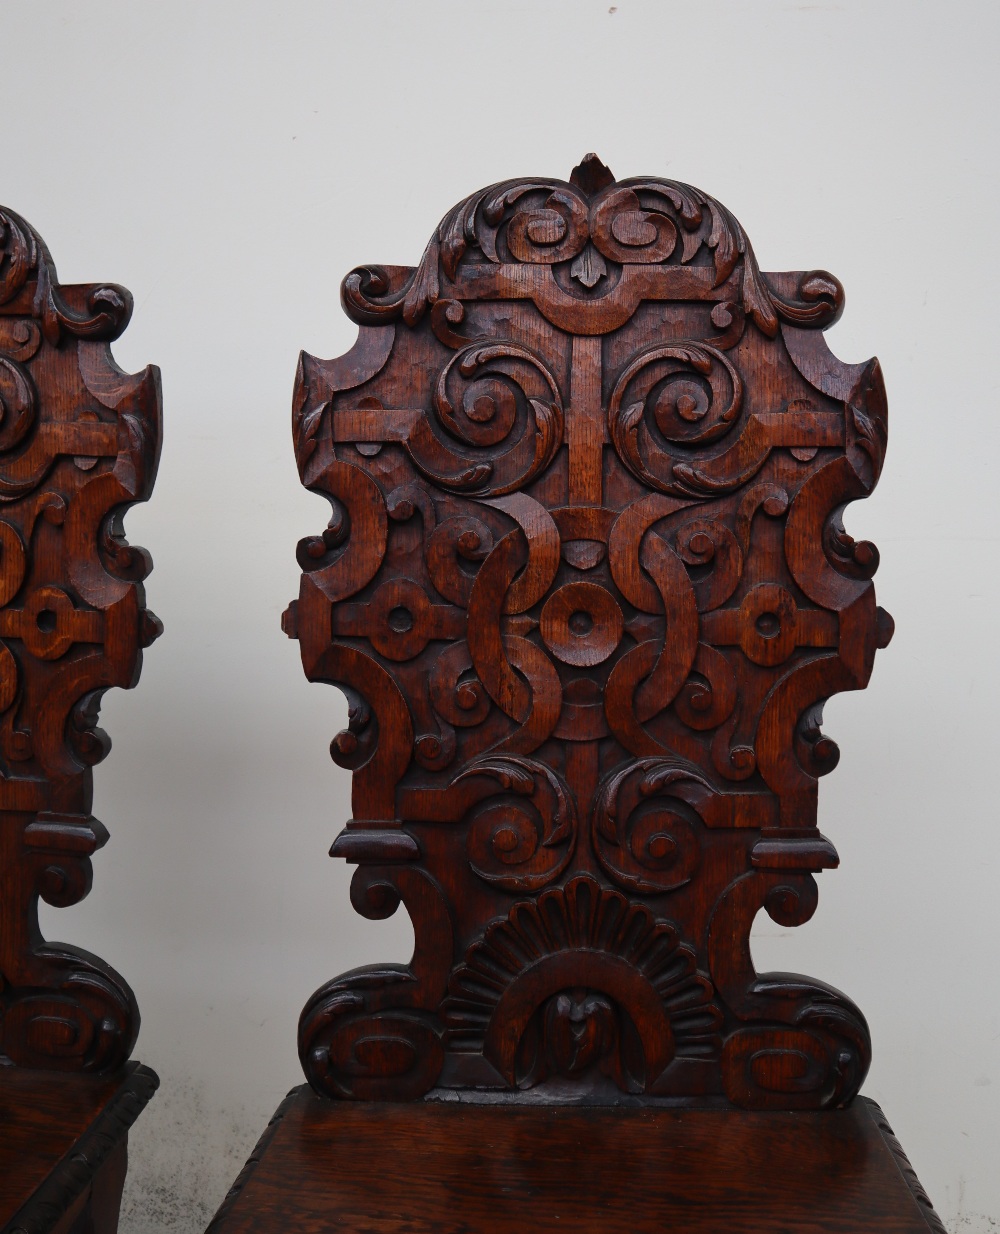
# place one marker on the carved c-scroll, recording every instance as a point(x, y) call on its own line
point(587, 586)
point(79, 444)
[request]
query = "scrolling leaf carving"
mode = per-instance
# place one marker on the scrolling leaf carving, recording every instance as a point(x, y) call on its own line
point(587, 586)
point(79, 444)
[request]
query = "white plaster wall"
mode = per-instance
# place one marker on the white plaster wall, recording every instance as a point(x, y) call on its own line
point(230, 163)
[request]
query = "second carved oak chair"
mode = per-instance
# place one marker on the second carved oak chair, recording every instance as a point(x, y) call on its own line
point(79, 443)
point(587, 586)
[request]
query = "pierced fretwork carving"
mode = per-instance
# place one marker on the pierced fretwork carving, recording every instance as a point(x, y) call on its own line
point(79, 443)
point(586, 586)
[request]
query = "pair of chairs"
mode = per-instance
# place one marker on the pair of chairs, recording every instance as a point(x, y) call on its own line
point(586, 586)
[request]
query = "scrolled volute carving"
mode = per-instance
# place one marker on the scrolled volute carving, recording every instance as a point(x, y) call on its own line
point(805, 1045)
point(372, 1034)
point(80, 1016)
point(481, 400)
point(521, 831)
point(684, 394)
point(645, 821)
point(587, 223)
point(92, 312)
point(79, 444)
point(587, 586)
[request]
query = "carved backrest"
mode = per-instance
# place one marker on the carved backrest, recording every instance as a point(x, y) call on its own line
point(79, 443)
point(586, 587)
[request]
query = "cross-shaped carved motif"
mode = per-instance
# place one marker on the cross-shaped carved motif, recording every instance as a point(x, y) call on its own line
point(587, 587)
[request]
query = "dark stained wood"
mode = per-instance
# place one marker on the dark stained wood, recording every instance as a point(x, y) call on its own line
point(587, 587)
point(459, 1168)
point(79, 443)
point(63, 1138)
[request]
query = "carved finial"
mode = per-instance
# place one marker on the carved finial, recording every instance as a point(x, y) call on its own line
point(591, 175)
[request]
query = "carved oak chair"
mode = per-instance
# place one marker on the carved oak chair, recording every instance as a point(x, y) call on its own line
point(586, 587)
point(79, 443)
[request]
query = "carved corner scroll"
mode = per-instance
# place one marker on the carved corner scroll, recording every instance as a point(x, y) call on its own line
point(587, 587)
point(79, 444)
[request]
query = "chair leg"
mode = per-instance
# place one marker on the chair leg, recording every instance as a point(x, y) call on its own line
point(98, 1209)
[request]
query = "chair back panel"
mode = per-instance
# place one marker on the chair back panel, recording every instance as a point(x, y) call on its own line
point(587, 587)
point(79, 444)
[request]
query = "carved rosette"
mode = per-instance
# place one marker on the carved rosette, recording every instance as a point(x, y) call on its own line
point(586, 585)
point(79, 443)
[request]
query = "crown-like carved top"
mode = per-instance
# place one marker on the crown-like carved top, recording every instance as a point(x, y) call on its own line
point(587, 587)
point(79, 443)
point(608, 242)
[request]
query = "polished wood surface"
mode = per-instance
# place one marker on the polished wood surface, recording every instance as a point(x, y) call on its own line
point(79, 444)
point(63, 1138)
point(462, 1168)
point(587, 586)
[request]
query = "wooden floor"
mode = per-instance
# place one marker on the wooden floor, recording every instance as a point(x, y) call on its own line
point(461, 1168)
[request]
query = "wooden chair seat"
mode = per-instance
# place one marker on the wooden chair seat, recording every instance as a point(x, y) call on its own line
point(457, 1167)
point(64, 1147)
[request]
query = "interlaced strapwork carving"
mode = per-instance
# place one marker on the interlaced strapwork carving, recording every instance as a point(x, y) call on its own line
point(587, 587)
point(79, 443)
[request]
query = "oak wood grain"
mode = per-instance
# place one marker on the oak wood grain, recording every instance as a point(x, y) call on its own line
point(460, 1167)
point(79, 444)
point(63, 1138)
point(587, 586)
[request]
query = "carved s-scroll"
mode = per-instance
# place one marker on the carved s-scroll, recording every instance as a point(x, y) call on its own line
point(372, 1034)
point(648, 678)
point(348, 554)
point(645, 824)
point(497, 656)
point(92, 311)
point(804, 1044)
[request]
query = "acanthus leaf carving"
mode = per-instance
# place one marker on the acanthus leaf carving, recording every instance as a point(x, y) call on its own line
point(587, 587)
